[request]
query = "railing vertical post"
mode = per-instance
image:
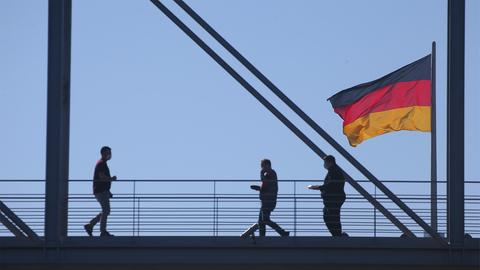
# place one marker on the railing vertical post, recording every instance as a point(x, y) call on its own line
point(294, 208)
point(375, 215)
point(138, 216)
point(433, 146)
point(133, 209)
point(214, 207)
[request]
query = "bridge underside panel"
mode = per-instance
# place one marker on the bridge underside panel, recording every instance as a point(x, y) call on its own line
point(236, 253)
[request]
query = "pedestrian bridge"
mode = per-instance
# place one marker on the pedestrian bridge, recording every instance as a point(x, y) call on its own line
point(198, 222)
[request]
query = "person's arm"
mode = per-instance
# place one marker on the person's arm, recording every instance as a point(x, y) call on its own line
point(105, 178)
point(327, 182)
point(315, 187)
point(321, 187)
point(263, 177)
point(102, 174)
point(263, 186)
point(255, 187)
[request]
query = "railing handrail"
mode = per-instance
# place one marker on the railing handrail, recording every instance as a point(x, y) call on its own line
point(235, 180)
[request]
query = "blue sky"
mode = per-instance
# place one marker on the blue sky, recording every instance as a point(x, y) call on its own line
point(168, 111)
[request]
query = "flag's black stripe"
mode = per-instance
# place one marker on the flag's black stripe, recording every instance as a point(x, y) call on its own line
point(418, 70)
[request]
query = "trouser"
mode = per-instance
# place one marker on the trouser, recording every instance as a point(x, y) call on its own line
point(331, 215)
point(104, 199)
point(264, 219)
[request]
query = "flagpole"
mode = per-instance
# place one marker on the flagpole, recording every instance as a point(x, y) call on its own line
point(433, 147)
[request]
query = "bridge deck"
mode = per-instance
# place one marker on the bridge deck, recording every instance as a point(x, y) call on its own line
point(237, 253)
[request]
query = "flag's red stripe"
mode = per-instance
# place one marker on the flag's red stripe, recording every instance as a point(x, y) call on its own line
point(397, 95)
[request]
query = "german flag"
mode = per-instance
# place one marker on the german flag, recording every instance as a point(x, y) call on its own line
point(400, 100)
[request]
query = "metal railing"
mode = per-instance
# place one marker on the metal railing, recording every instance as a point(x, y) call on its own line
point(228, 207)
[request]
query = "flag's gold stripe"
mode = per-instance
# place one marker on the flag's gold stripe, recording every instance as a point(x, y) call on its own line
point(378, 123)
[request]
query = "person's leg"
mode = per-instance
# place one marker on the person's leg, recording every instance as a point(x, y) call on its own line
point(277, 228)
point(328, 216)
point(338, 221)
point(336, 226)
point(250, 231)
point(89, 226)
point(334, 212)
point(104, 200)
point(95, 220)
point(272, 224)
point(261, 222)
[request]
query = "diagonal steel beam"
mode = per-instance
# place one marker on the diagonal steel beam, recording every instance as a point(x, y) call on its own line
point(18, 222)
point(10, 226)
point(307, 118)
point(277, 113)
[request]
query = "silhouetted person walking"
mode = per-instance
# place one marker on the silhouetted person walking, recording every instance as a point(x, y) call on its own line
point(333, 196)
point(268, 197)
point(101, 189)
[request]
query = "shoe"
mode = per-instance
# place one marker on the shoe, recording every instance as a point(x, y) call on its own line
point(285, 234)
point(89, 229)
point(344, 234)
point(106, 234)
